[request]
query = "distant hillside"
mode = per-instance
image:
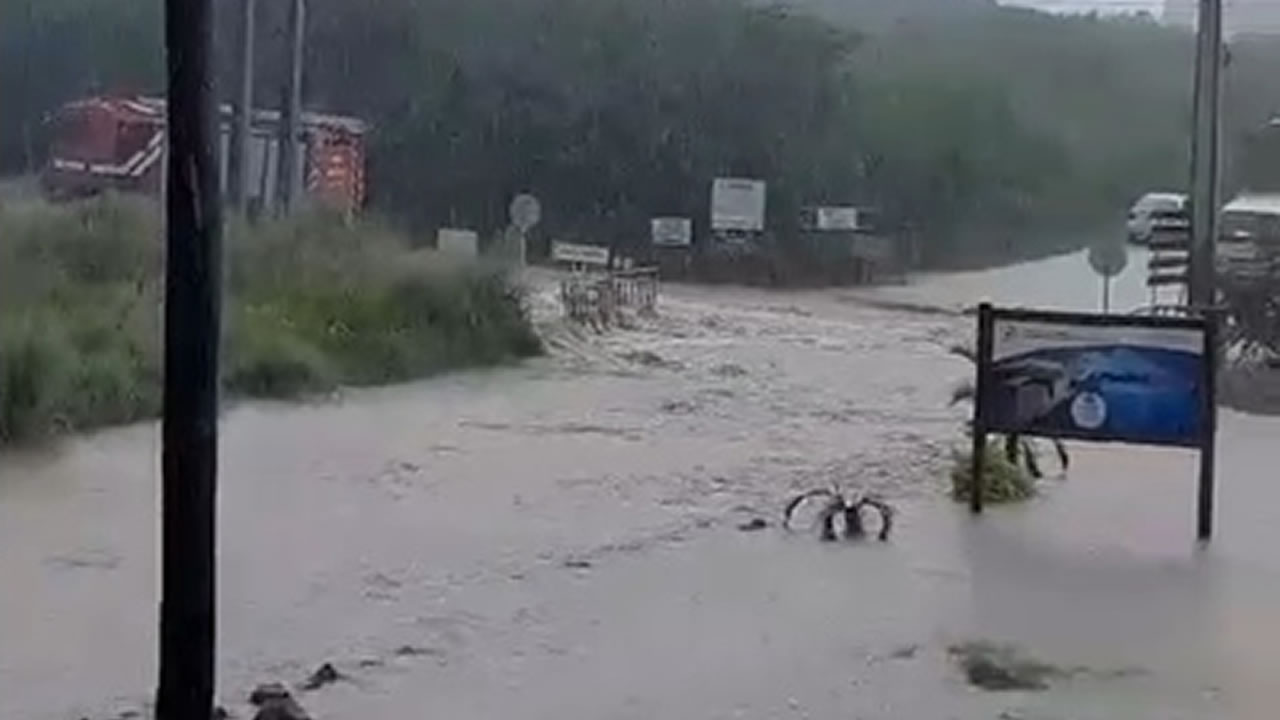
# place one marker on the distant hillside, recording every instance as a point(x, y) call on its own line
point(875, 14)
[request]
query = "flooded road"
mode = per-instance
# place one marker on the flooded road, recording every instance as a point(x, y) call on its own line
point(560, 540)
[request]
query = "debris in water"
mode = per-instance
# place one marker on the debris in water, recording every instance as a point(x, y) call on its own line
point(326, 674)
point(906, 652)
point(275, 702)
point(415, 651)
point(1001, 668)
point(649, 358)
point(578, 564)
point(845, 509)
point(754, 525)
point(268, 692)
point(729, 370)
point(679, 407)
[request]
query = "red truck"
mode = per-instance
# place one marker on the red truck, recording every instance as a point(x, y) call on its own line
point(118, 143)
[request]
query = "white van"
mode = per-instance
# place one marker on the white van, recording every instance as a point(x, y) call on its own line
point(1149, 210)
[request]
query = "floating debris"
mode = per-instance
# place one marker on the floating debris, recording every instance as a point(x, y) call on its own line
point(729, 370)
point(275, 702)
point(1003, 668)
point(754, 525)
point(578, 564)
point(415, 651)
point(846, 510)
point(651, 359)
point(679, 407)
point(906, 652)
point(326, 674)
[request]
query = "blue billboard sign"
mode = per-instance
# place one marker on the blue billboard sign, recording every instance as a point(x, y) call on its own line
point(1071, 376)
point(1109, 378)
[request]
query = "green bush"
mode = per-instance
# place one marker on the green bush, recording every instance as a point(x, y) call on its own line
point(265, 357)
point(312, 302)
point(36, 361)
point(1003, 481)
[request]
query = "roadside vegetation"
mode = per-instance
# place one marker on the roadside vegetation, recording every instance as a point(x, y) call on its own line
point(313, 303)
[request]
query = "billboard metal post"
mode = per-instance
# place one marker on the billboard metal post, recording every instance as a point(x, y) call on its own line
point(979, 459)
point(192, 321)
point(1209, 426)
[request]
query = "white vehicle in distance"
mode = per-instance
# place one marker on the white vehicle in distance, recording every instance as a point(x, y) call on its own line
point(1150, 210)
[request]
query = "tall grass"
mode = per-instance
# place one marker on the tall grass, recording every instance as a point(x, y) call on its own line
point(312, 303)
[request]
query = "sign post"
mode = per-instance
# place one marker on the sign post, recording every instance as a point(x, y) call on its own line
point(526, 212)
point(1108, 260)
point(1105, 378)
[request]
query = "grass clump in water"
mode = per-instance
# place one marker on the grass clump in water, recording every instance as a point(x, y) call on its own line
point(1002, 668)
point(312, 303)
point(1004, 481)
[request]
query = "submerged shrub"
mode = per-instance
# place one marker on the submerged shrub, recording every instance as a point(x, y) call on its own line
point(1003, 481)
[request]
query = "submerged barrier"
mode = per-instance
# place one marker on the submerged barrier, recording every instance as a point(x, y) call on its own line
point(601, 300)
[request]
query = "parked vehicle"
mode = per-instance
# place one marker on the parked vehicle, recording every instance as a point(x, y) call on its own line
point(118, 143)
point(1152, 209)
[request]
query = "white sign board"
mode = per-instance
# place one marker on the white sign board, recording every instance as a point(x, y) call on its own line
point(525, 211)
point(737, 204)
point(1108, 259)
point(579, 254)
point(838, 218)
point(458, 243)
point(672, 231)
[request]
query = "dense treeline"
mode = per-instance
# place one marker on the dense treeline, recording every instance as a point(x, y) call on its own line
point(989, 131)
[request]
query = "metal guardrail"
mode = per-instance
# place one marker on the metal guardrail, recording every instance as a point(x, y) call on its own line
point(599, 300)
point(635, 289)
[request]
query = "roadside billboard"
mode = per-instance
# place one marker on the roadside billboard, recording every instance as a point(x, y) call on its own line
point(574, 254)
point(671, 231)
point(738, 204)
point(458, 243)
point(838, 218)
point(1110, 378)
point(1138, 382)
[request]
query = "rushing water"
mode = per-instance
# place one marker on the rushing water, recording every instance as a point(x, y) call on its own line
point(560, 540)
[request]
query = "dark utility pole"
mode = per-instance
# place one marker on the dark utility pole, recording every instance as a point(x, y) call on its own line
point(1205, 163)
point(291, 120)
point(192, 320)
point(238, 177)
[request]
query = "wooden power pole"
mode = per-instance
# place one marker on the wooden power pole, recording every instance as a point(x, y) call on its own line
point(192, 322)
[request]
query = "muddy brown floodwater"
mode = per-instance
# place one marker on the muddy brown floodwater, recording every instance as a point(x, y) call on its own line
point(561, 540)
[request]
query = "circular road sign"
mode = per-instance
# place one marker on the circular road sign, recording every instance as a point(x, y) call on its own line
point(526, 211)
point(1108, 259)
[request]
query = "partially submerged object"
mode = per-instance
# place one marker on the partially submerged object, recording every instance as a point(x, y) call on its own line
point(843, 515)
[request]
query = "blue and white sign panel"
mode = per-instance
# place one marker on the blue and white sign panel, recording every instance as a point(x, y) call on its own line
point(1109, 378)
